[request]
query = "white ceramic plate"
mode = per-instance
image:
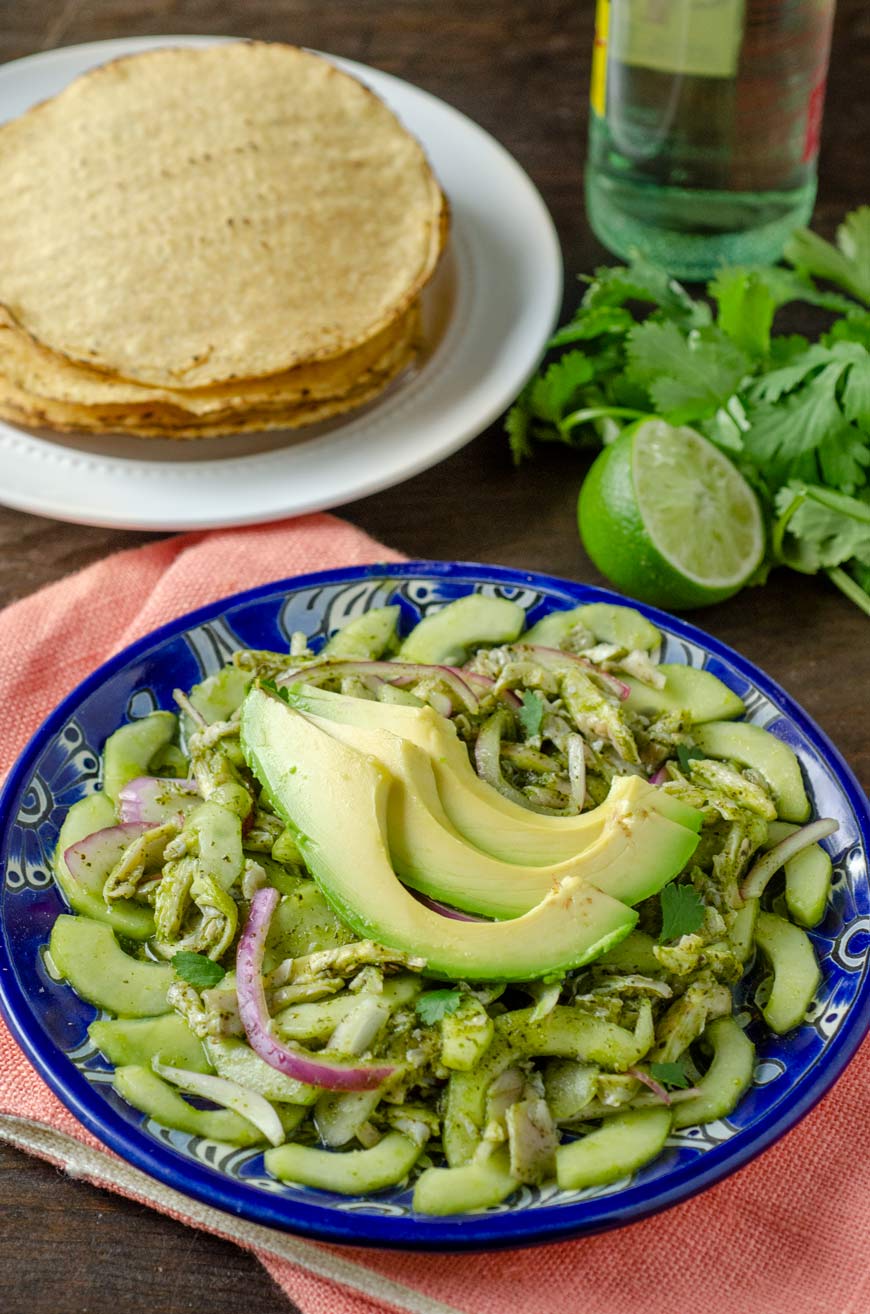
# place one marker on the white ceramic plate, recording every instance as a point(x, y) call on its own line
point(487, 316)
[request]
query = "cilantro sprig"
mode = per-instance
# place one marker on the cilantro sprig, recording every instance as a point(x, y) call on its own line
point(433, 1005)
point(673, 1075)
point(197, 970)
point(682, 911)
point(792, 413)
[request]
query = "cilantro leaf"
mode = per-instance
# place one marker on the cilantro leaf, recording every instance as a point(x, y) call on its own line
point(553, 391)
point(682, 911)
point(197, 970)
point(670, 1074)
point(435, 1004)
point(846, 264)
point(531, 713)
point(686, 755)
point(824, 528)
point(843, 456)
point(592, 322)
point(641, 280)
point(274, 688)
point(517, 424)
point(746, 307)
point(856, 393)
point(688, 378)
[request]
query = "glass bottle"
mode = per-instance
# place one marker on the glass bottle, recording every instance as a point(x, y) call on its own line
point(704, 127)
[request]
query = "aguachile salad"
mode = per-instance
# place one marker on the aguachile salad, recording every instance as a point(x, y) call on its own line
point(472, 902)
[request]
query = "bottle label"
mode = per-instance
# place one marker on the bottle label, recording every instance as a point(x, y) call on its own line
point(598, 81)
point(815, 110)
point(697, 37)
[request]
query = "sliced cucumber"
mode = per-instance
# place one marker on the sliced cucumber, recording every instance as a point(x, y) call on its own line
point(87, 955)
point(476, 1185)
point(569, 1087)
point(752, 746)
point(304, 924)
point(633, 954)
point(808, 877)
point(742, 932)
point(466, 1035)
point(233, 1059)
point(218, 696)
point(725, 1081)
point(446, 637)
point(146, 1091)
point(687, 689)
point(366, 637)
point(351, 1172)
point(139, 1040)
point(129, 751)
point(316, 1020)
point(606, 621)
point(96, 812)
point(563, 1033)
point(796, 974)
point(622, 1145)
point(338, 1115)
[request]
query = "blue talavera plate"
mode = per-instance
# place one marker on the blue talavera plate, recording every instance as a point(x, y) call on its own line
point(62, 763)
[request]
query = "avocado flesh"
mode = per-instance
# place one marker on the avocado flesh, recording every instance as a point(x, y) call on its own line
point(483, 816)
point(636, 852)
point(335, 798)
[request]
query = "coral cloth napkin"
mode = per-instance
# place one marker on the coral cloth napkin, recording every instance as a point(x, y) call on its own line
point(789, 1233)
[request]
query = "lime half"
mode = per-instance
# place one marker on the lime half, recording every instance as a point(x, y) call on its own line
point(669, 519)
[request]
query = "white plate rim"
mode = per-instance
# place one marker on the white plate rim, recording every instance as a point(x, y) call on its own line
point(465, 416)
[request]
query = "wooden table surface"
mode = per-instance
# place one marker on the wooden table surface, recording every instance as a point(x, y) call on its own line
point(521, 69)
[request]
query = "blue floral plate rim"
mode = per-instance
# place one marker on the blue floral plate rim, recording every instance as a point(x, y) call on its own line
point(478, 1231)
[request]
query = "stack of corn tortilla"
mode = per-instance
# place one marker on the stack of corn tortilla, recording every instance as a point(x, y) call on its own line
point(206, 241)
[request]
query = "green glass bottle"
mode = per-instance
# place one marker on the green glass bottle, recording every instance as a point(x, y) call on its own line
point(704, 127)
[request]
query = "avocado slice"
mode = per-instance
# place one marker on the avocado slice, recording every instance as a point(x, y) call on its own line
point(335, 798)
point(752, 746)
point(447, 636)
point(635, 853)
point(485, 818)
point(687, 689)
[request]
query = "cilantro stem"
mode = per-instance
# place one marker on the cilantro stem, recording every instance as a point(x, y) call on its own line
point(852, 589)
point(779, 529)
point(588, 413)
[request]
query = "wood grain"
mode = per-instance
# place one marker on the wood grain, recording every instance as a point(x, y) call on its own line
point(521, 69)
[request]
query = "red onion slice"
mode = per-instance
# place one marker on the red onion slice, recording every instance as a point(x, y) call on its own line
point(157, 800)
point(486, 682)
point(756, 879)
point(391, 672)
point(655, 1086)
point(299, 1064)
point(660, 776)
point(444, 909)
point(91, 859)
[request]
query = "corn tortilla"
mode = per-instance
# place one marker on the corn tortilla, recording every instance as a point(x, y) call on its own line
point(190, 217)
point(22, 409)
point(45, 375)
